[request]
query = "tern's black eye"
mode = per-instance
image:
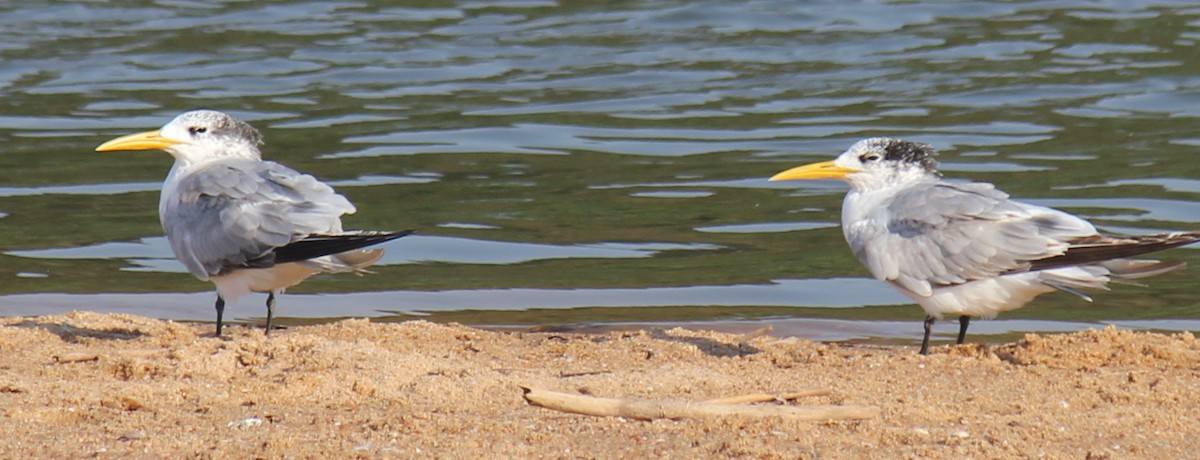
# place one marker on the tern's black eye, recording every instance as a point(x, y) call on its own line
point(868, 157)
point(197, 130)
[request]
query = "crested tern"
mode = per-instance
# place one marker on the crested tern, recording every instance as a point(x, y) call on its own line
point(966, 249)
point(246, 224)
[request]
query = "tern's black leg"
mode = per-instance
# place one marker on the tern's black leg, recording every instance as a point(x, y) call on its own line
point(963, 322)
point(220, 313)
point(270, 311)
point(928, 330)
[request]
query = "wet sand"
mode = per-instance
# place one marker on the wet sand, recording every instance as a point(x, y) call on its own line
point(117, 386)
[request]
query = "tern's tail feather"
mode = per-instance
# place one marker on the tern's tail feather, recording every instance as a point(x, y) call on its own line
point(1126, 270)
point(315, 246)
point(1097, 276)
point(359, 260)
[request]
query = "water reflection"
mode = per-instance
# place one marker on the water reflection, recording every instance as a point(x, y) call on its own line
point(822, 293)
point(154, 253)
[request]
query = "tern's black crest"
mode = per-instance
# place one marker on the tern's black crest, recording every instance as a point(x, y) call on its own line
point(903, 151)
point(222, 124)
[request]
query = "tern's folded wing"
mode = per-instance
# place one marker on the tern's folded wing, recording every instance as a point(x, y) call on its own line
point(233, 213)
point(940, 234)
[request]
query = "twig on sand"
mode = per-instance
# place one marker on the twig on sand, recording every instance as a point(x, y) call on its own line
point(648, 409)
point(767, 397)
point(75, 357)
point(565, 375)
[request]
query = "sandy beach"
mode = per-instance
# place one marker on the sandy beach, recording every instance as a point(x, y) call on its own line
point(86, 385)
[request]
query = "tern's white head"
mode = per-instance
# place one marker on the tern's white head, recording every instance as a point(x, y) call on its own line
point(195, 136)
point(871, 164)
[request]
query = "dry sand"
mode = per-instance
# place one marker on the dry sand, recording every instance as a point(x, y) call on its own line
point(88, 385)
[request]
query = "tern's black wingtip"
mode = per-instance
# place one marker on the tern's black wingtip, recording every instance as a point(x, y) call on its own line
point(314, 246)
point(388, 236)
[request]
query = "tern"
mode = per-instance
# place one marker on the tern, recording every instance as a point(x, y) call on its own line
point(965, 248)
point(246, 224)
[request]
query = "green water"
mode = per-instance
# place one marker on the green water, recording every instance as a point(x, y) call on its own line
point(595, 162)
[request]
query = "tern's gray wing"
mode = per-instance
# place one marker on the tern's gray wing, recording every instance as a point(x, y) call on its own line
point(232, 213)
point(939, 233)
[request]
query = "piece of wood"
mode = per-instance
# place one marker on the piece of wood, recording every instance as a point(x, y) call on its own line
point(645, 409)
point(566, 375)
point(75, 357)
point(767, 397)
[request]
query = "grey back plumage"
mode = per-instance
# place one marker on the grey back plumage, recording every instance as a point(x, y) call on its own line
point(230, 213)
point(938, 234)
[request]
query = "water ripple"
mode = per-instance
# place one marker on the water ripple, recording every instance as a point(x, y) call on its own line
point(607, 137)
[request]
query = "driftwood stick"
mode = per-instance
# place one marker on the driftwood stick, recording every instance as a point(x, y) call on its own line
point(581, 373)
point(767, 397)
point(646, 409)
point(75, 357)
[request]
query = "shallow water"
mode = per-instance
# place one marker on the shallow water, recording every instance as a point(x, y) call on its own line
point(595, 163)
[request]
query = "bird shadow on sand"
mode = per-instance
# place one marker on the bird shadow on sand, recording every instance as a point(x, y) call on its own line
point(709, 346)
point(72, 334)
